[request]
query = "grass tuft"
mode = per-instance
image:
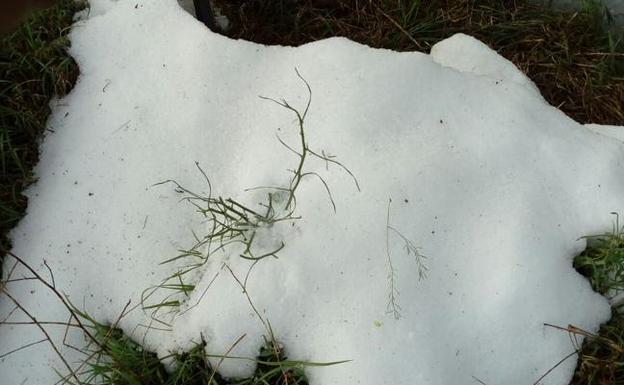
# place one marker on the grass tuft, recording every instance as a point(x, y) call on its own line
point(603, 261)
point(601, 357)
point(119, 360)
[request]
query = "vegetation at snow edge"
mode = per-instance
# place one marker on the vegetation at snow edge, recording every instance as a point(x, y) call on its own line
point(114, 358)
point(601, 358)
point(34, 68)
point(603, 262)
point(575, 58)
point(567, 54)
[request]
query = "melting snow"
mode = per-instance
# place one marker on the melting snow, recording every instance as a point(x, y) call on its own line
point(487, 181)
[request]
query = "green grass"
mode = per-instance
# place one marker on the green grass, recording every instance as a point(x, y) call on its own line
point(119, 360)
point(601, 360)
point(603, 260)
point(34, 67)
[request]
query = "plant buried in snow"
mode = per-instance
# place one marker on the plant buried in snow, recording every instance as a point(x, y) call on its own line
point(231, 222)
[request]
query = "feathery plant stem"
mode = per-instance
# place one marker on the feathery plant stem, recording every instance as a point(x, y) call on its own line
point(393, 307)
point(410, 250)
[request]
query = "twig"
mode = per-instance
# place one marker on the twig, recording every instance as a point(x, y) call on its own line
point(554, 367)
point(45, 333)
point(54, 291)
point(218, 365)
point(478, 380)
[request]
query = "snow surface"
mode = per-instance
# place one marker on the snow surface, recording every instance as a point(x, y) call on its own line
point(614, 132)
point(467, 54)
point(492, 184)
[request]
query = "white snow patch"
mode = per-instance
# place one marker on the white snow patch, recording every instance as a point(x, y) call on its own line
point(467, 54)
point(493, 185)
point(615, 132)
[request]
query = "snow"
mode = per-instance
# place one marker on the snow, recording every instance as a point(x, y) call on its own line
point(467, 54)
point(493, 185)
point(614, 132)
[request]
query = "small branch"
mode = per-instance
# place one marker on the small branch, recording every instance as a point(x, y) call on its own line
point(45, 333)
point(249, 300)
point(478, 380)
point(554, 367)
point(227, 353)
point(54, 291)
